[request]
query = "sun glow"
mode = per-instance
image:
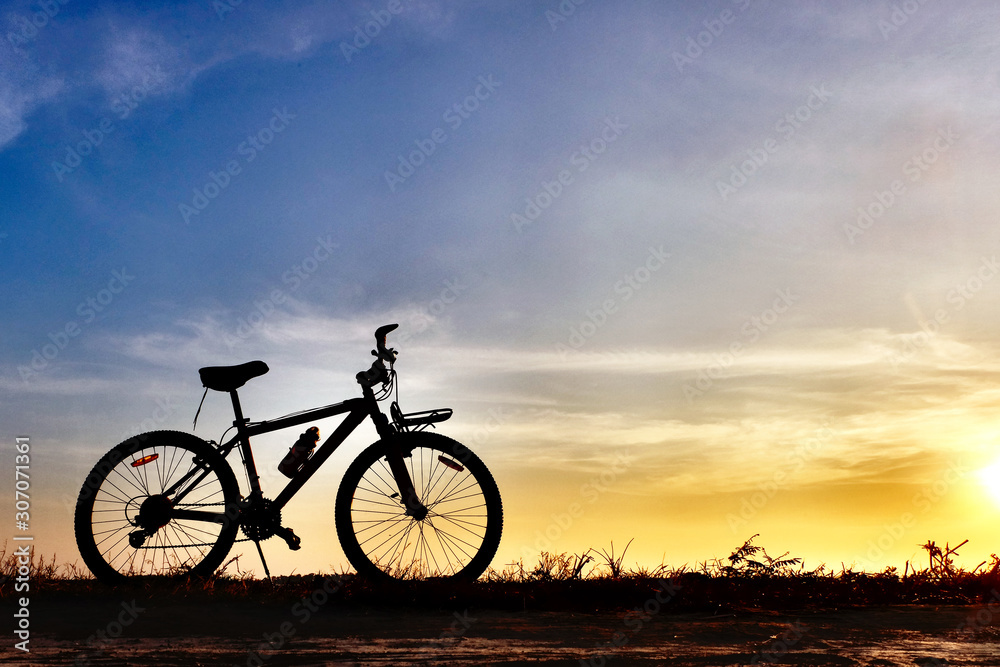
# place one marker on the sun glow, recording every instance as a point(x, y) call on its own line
point(990, 479)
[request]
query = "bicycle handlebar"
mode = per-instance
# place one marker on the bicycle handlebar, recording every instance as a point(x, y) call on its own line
point(377, 373)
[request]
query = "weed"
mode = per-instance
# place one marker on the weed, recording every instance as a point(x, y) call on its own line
point(749, 578)
point(941, 563)
point(753, 559)
point(558, 567)
point(614, 565)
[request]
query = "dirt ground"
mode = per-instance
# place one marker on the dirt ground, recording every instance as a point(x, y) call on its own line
point(114, 631)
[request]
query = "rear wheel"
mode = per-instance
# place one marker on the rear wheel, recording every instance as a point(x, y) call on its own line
point(460, 533)
point(156, 505)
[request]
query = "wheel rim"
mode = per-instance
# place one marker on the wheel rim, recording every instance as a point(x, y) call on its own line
point(131, 529)
point(445, 541)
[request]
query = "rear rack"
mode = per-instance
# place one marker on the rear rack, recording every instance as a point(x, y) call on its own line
point(421, 420)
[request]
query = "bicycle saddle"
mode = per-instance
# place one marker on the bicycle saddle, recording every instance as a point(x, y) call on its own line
point(231, 378)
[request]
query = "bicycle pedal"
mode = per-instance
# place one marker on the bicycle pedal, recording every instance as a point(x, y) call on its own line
point(293, 541)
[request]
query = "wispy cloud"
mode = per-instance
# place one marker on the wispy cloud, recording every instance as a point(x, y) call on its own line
point(135, 56)
point(22, 89)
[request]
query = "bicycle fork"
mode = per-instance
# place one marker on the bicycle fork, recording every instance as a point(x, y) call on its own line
point(394, 457)
point(407, 492)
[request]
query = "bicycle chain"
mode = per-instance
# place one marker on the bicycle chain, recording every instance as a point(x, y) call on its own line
point(203, 544)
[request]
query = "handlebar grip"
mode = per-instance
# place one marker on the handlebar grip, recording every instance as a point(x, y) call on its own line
point(380, 334)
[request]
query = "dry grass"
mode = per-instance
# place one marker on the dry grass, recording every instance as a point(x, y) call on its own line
point(42, 573)
point(749, 578)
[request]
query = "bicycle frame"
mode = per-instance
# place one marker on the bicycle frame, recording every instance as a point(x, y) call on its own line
point(356, 409)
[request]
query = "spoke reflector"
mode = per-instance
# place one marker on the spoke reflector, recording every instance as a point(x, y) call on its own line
point(144, 460)
point(451, 464)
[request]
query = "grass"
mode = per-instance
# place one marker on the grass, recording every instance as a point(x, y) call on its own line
point(748, 579)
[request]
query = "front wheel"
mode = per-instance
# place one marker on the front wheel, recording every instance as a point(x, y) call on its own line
point(460, 533)
point(162, 503)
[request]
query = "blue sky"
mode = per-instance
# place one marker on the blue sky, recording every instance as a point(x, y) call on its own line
point(689, 246)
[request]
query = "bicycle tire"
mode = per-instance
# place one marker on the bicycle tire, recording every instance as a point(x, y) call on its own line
point(455, 485)
point(109, 501)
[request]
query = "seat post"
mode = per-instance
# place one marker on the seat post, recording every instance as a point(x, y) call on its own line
point(237, 410)
point(240, 424)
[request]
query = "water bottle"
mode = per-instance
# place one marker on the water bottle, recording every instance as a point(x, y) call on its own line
point(299, 452)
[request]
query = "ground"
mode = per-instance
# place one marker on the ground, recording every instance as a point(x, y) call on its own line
point(112, 630)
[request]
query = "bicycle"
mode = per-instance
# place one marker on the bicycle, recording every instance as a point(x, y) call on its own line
point(414, 504)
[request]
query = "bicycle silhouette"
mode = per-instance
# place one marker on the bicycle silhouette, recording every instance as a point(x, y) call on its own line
point(414, 504)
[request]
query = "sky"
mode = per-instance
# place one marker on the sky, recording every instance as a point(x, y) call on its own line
point(686, 272)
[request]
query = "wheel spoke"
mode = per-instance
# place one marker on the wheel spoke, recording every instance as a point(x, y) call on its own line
point(443, 542)
point(126, 499)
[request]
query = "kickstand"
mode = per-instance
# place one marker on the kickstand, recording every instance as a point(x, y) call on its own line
point(264, 562)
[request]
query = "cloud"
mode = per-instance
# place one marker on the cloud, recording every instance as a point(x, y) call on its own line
point(134, 56)
point(23, 87)
point(77, 383)
point(116, 49)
